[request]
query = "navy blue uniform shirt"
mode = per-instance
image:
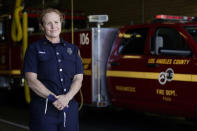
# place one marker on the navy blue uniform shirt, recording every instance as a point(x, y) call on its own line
point(54, 64)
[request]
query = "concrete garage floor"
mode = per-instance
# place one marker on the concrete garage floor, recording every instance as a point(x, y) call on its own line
point(14, 117)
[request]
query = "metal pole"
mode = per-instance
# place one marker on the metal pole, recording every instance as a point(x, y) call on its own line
point(72, 22)
point(98, 69)
point(96, 64)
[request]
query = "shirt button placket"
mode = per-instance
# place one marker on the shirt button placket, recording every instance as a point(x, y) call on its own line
point(59, 66)
point(59, 60)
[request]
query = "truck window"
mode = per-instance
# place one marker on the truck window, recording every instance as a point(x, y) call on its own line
point(133, 41)
point(168, 41)
point(192, 30)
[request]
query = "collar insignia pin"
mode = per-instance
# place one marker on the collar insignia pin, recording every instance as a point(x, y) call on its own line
point(69, 51)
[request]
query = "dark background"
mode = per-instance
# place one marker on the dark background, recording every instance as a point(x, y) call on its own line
point(121, 12)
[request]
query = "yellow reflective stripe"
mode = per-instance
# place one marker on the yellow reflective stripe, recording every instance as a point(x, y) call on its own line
point(87, 72)
point(12, 72)
point(150, 75)
point(133, 74)
point(185, 77)
point(194, 78)
point(182, 77)
point(132, 57)
point(86, 60)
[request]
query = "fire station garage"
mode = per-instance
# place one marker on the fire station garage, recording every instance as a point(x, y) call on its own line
point(138, 60)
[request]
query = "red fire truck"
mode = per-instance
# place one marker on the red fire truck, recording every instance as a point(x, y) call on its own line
point(148, 67)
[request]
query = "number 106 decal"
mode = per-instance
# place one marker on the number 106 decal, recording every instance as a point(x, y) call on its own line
point(84, 39)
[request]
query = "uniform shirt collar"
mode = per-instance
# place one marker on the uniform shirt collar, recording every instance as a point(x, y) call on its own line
point(46, 41)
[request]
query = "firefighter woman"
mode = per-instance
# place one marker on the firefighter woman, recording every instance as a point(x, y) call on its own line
point(54, 72)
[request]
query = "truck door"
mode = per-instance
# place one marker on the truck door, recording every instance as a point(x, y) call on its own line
point(172, 58)
point(127, 77)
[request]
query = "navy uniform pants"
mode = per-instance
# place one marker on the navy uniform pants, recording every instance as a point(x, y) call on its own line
point(53, 120)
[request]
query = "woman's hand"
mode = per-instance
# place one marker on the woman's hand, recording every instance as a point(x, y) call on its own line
point(61, 102)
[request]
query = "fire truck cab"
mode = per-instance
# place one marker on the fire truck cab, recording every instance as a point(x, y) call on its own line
point(153, 67)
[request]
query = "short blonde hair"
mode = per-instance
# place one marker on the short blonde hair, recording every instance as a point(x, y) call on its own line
point(49, 10)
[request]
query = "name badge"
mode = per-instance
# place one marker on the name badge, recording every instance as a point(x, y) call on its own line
point(41, 52)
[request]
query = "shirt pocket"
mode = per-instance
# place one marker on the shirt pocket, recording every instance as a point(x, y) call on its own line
point(45, 65)
point(43, 57)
